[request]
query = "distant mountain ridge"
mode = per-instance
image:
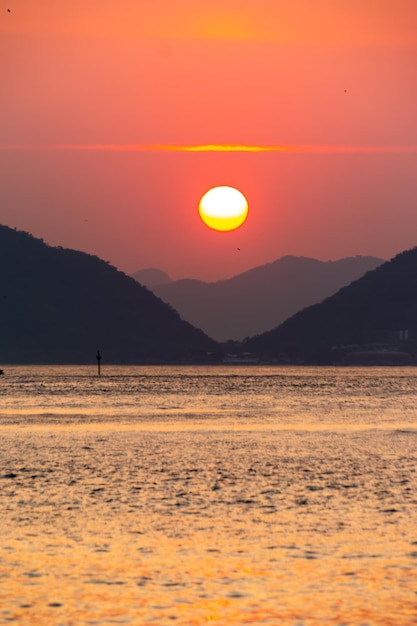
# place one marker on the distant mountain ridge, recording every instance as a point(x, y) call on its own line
point(262, 298)
point(372, 320)
point(151, 276)
point(61, 306)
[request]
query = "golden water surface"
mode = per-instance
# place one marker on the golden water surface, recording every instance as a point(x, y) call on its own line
point(220, 514)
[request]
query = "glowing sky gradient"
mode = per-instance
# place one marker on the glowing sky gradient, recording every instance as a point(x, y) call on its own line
point(116, 118)
point(218, 148)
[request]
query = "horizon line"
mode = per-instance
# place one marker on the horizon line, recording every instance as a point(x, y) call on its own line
point(283, 148)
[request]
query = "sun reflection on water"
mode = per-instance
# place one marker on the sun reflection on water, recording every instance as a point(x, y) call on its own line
point(191, 522)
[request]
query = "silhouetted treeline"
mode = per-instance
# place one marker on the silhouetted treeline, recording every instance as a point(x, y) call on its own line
point(261, 298)
point(375, 316)
point(60, 306)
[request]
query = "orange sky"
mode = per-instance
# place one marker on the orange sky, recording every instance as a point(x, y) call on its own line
point(89, 80)
point(295, 21)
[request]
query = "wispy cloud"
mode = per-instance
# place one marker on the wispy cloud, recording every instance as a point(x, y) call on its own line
point(284, 148)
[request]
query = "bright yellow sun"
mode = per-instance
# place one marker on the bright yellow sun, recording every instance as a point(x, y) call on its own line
point(223, 208)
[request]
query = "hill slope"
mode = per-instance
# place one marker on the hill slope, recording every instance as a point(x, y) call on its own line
point(374, 309)
point(60, 306)
point(262, 298)
point(150, 276)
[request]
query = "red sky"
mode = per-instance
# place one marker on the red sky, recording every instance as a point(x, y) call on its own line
point(83, 82)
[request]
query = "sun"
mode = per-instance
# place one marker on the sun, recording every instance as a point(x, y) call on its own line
point(223, 208)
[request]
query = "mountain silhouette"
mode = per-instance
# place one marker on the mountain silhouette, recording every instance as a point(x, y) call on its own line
point(374, 319)
point(150, 277)
point(262, 298)
point(61, 306)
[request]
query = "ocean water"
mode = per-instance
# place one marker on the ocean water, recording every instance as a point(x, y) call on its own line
point(188, 496)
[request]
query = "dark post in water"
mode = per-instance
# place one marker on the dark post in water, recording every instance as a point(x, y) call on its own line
point(98, 357)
